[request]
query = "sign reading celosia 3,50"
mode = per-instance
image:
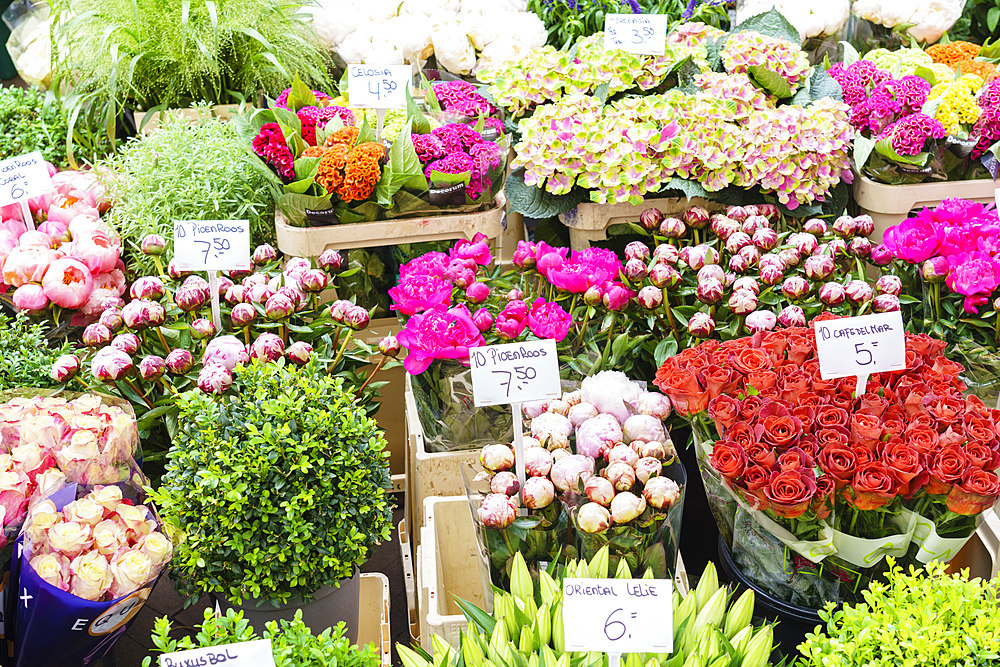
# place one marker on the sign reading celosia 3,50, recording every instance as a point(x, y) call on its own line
point(378, 86)
point(861, 346)
point(642, 34)
point(515, 372)
point(212, 245)
point(23, 177)
point(245, 654)
point(618, 615)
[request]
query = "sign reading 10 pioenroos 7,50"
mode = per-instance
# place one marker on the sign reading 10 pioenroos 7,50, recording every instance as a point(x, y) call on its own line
point(515, 372)
point(212, 245)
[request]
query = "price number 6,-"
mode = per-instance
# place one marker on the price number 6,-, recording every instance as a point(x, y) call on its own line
point(522, 373)
point(861, 351)
point(217, 245)
point(615, 630)
point(388, 86)
point(17, 191)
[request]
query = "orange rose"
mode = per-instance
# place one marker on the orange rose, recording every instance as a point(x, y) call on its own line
point(829, 415)
point(780, 432)
point(865, 429)
point(750, 360)
point(903, 461)
point(790, 492)
point(728, 459)
point(946, 467)
point(873, 486)
point(976, 493)
point(761, 454)
point(822, 503)
point(725, 410)
point(839, 462)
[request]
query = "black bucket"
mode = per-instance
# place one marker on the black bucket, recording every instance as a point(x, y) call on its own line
point(794, 621)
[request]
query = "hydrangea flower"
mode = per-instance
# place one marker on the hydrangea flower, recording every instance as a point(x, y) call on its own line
point(747, 49)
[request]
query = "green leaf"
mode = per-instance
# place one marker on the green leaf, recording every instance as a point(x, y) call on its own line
point(664, 350)
point(418, 121)
point(305, 167)
point(818, 86)
point(406, 167)
point(836, 202)
point(691, 189)
point(884, 148)
point(288, 120)
point(476, 615)
point(770, 81)
point(299, 187)
point(771, 23)
point(294, 206)
point(927, 74)
point(536, 202)
point(601, 92)
point(992, 18)
point(552, 232)
point(302, 94)
point(905, 299)
point(863, 148)
point(365, 132)
point(851, 54)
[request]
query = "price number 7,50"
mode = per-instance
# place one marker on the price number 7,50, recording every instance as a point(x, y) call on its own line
point(521, 375)
point(862, 355)
point(216, 245)
point(388, 86)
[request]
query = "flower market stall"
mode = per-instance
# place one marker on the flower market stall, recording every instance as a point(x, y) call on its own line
point(561, 333)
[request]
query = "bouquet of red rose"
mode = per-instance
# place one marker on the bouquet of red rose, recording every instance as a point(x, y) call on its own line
point(803, 475)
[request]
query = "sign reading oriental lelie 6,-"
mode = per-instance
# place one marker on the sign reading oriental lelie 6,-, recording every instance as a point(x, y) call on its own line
point(618, 616)
point(860, 346)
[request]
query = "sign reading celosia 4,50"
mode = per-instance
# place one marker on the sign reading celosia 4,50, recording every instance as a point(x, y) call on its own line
point(378, 86)
point(861, 346)
point(23, 177)
point(618, 615)
point(515, 372)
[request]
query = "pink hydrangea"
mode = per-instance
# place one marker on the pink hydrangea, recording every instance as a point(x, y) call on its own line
point(438, 333)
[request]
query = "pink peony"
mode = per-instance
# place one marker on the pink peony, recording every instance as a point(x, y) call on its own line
point(512, 319)
point(96, 250)
point(68, 283)
point(228, 351)
point(438, 334)
point(27, 264)
point(913, 240)
point(30, 297)
point(549, 320)
point(477, 249)
point(975, 275)
point(417, 293)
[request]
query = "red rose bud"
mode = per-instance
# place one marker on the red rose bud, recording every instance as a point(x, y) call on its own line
point(64, 368)
point(771, 275)
point(242, 315)
point(935, 269)
point(765, 239)
point(845, 226)
point(832, 294)
point(700, 255)
point(881, 255)
point(737, 213)
point(701, 325)
point(637, 250)
point(814, 226)
point(635, 270)
point(152, 368)
point(667, 254)
point(889, 285)
point(662, 276)
point(885, 303)
point(267, 347)
point(96, 335)
point(176, 272)
point(497, 510)
point(153, 244)
point(112, 319)
point(804, 243)
point(278, 307)
point(539, 492)
point(264, 254)
point(723, 226)
point(592, 518)
point(599, 490)
point(819, 267)
point(792, 316)
point(126, 342)
point(190, 299)
point(650, 297)
point(737, 242)
point(761, 320)
point(866, 226)
point(860, 247)
point(743, 302)
point(673, 228)
point(484, 320)
point(202, 328)
point(357, 318)
point(650, 218)
point(179, 362)
point(697, 217)
point(710, 291)
point(738, 264)
point(147, 287)
point(330, 261)
point(747, 283)
point(214, 378)
point(795, 288)
point(858, 292)
point(313, 280)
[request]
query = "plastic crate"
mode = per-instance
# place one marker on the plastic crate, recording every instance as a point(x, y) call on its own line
point(409, 580)
point(889, 205)
point(589, 222)
point(373, 615)
point(981, 554)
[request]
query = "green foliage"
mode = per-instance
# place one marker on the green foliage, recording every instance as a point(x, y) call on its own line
point(147, 54)
point(185, 172)
point(29, 122)
point(292, 644)
point(278, 489)
point(25, 354)
point(917, 618)
point(978, 23)
point(537, 202)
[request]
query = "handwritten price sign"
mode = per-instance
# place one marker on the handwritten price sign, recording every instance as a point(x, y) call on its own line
point(515, 372)
point(378, 87)
point(212, 245)
point(641, 34)
point(246, 654)
point(23, 177)
point(618, 615)
point(861, 346)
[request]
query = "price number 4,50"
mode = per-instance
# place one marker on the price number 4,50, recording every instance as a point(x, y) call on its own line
point(864, 356)
point(388, 87)
point(521, 374)
point(216, 245)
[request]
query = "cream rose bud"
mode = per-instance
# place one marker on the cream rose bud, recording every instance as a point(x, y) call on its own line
point(107, 496)
point(132, 516)
point(157, 547)
point(50, 481)
point(91, 576)
point(82, 446)
point(70, 538)
point(29, 455)
point(53, 568)
point(109, 535)
point(129, 571)
point(84, 510)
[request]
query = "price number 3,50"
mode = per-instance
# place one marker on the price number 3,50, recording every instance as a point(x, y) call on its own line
point(641, 34)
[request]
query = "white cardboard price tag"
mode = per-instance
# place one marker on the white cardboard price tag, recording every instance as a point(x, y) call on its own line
point(23, 177)
point(246, 654)
point(641, 34)
point(618, 615)
point(515, 372)
point(212, 245)
point(860, 346)
point(378, 86)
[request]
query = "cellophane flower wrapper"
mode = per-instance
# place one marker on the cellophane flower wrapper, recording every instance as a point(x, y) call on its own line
point(720, 500)
point(54, 627)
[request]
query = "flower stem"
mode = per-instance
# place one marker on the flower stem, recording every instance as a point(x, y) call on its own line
point(381, 362)
point(343, 348)
point(163, 341)
point(583, 327)
point(670, 317)
point(159, 267)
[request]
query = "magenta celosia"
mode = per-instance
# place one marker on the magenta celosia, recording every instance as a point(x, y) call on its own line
point(270, 145)
point(457, 136)
point(462, 97)
point(309, 117)
point(282, 100)
point(987, 128)
point(549, 320)
point(453, 163)
point(439, 333)
point(428, 147)
point(910, 134)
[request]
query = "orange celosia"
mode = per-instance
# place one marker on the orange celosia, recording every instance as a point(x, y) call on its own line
point(361, 176)
point(345, 135)
point(372, 149)
point(314, 151)
point(953, 53)
point(988, 71)
point(330, 173)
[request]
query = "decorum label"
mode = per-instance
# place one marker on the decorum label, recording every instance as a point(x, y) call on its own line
point(246, 654)
point(378, 86)
point(618, 615)
point(212, 245)
point(23, 177)
point(515, 372)
point(861, 346)
point(641, 34)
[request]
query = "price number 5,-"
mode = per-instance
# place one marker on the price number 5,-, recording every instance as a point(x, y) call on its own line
point(863, 356)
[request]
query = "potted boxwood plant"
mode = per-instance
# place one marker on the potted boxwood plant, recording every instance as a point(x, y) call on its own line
point(278, 492)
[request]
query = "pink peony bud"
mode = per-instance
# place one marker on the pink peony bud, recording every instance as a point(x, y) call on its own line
point(497, 511)
point(152, 368)
point(771, 275)
point(599, 490)
point(814, 226)
point(935, 269)
point(711, 271)
point(724, 227)
point(881, 255)
point(267, 347)
point(627, 506)
point(153, 244)
point(30, 297)
point(148, 287)
point(885, 303)
point(202, 328)
point(299, 352)
point(524, 255)
point(264, 254)
point(539, 492)
point(765, 239)
point(637, 250)
point(819, 267)
point(259, 293)
point(789, 257)
point(664, 276)
point(616, 296)
point(889, 285)
point(701, 325)
point(330, 261)
point(761, 320)
point(622, 453)
point(477, 292)
point(747, 283)
point(653, 404)
point(112, 319)
point(242, 314)
point(858, 292)
point(737, 213)
point(651, 218)
point(737, 241)
point(126, 342)
point(537, 461)
point(176, 272)
point(837, 248)
point(278, 307)
point(635, 270)
point(214, 378)
point(179, 362)
point(795, 288)
point(389, 346)
point(313, 280)
point(743, 302)
point(860, 247)
point(673, 228)
point(505, 483)
point(700, 255)
point(654, 450)
point(581, 412)
point(650, 297)
point(710, 291)
point(753, 224)
point(647, 467)
point(738, 264)
point(236, 294)
point(357, 318)
point(592, 518)
point(515, 295)
point(866, 226)
point(96, 335)
point(190, 299)
point(792, 316)
point(661, 492)
point(832, 294)
point(804, 243)
point(64, 368)
point(482, 319)
point(497, 458)
point(667, 254)
point(570, 471)
point(845, 227)
point(110, 364)
point(697, 217)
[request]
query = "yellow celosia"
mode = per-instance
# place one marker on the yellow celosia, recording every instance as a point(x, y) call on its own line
point(958, 105)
